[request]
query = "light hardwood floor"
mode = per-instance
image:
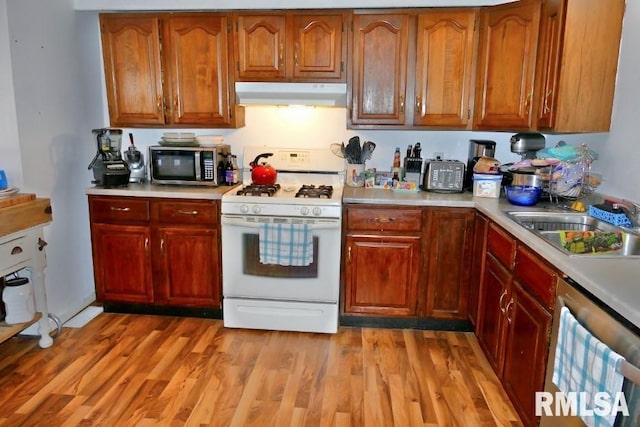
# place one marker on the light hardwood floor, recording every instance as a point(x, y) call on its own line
point(138, 370)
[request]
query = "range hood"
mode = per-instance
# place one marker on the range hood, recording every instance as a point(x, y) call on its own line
point(313, 94)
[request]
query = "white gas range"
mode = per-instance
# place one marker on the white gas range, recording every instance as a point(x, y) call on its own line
point(281, 244)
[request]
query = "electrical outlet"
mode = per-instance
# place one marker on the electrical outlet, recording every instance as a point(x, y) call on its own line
point(438, 154)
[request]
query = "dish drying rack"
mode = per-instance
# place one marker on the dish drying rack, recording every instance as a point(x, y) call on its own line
point(573, 179)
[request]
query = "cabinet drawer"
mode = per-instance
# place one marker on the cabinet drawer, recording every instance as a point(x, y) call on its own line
point(501, 245)
point(14, 252)
point(185, 212)
point(118, 209)
point(384, 219)
point(535, 276)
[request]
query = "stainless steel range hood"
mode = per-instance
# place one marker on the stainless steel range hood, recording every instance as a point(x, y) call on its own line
point(313, 94)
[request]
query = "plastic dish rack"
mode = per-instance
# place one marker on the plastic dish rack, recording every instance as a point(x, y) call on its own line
point(573, 180)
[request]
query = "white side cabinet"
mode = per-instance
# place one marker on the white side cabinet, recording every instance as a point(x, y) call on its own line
point(25, 249)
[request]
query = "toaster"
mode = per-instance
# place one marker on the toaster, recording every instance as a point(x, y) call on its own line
point(443, 176)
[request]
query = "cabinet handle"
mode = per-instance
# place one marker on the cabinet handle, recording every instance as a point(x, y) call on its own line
point(507, 310)
point(281, 54)
point(419, 103)
point(146, 246)
point(295, 54)
point(193, 213)
point(547, 109)
point(402, 104)
point(159, 105)
point(162, 246)
point(384, 219)
point(175, 105)
point(16, 250)
point(502, 309)
point(527, 102)
point(349, 254)
point(117, 209)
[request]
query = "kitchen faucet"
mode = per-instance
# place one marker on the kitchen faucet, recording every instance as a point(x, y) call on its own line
point(630, 209)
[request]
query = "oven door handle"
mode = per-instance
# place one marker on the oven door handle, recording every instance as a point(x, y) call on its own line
point(321, 224)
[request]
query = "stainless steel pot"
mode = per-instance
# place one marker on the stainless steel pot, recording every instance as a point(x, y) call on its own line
point(530, 179)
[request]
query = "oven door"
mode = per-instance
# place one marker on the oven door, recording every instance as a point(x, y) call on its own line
point(243, 276)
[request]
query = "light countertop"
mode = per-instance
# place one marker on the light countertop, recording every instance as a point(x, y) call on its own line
point(169, 191)
point(616, 282)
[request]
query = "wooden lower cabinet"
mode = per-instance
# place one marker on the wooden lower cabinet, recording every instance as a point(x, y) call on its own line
point(449, 247)
point(525, 351)
point(514, 318)
point(162, 252)
point(402, 261)
point(382, 275)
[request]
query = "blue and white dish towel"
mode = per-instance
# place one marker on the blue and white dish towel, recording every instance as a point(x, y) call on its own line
point(585, 364)
point(286, 244)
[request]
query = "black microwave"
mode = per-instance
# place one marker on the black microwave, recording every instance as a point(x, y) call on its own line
point(186, 165)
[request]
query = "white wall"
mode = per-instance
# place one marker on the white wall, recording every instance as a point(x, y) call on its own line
point(51, 96)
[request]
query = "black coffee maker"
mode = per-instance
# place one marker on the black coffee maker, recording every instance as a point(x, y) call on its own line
point(477, 148)
point(109, 169)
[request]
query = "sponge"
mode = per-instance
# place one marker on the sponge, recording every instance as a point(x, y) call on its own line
point(607, 213)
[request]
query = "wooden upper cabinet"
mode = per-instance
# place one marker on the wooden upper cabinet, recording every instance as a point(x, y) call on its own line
point(131, 52)
point(379, 69)
point(168, 69)
point(320, 46)
point(196, 60)
point(575, 85)
point(506, 66)
point(444, 67)
point(290, 47)
point(260, 47)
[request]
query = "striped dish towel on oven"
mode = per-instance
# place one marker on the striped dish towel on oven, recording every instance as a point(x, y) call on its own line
point(583, 363)
point(286, 244)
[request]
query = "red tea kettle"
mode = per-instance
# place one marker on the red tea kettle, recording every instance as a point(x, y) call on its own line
point(262, 174)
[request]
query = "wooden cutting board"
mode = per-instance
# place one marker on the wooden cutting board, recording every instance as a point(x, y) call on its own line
point(16, 199)
point(24, 215)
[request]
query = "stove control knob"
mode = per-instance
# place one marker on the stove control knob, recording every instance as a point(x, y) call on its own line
point(255, 209)
point(317, 211)
point(244, 209)
point(304, 210)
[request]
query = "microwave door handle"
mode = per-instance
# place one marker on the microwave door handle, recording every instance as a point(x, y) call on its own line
point(197, 165)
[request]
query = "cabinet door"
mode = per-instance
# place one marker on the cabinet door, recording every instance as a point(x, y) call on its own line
point(196, 59)
point(121, 263)
point(526, 348)
point(493, 299)
point(506, 65)
point(260, 47)
point(379, 69)
point(188, 266)
point(477, 266)
point(572, 96)
point(444, 61)
point(319, 47)
point(450, 246)
point(131, 52)
point(382, 275)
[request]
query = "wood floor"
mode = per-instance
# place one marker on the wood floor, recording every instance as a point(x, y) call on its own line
point(135, 370)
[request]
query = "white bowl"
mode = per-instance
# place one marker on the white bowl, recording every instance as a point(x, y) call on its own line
point(208, 140)
point(178, 136)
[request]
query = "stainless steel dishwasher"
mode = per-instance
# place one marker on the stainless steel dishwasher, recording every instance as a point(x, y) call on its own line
point(621, 336)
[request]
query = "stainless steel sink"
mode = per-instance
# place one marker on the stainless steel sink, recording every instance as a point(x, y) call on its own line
point(550, 224)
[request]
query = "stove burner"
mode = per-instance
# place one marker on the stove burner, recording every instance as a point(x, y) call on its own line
point(259, 190)
point(311, 191)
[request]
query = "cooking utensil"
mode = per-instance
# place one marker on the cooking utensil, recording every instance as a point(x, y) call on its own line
point(338, 149)
point(353, 151)
point(263, 174)
point(367, 151)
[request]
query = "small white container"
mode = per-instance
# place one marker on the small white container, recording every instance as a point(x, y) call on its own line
point(209, 140)
point(18, 300)
point(486, 185)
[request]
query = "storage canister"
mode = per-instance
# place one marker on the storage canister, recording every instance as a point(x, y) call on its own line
point(18, 300)
point(486, 185)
